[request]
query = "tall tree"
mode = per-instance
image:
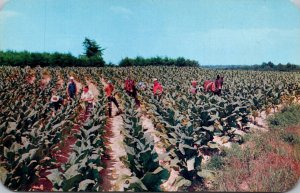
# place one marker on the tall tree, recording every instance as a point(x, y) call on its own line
point(93, 52)
point(92, 48)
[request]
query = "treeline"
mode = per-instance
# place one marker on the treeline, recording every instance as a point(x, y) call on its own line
point(158, 61)
point(32, 59)
point(92, 57)
point(12, 58)
point(262, 67)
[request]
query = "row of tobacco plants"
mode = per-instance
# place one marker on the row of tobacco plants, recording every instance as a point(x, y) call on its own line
point(29, 133)
point(185, 123)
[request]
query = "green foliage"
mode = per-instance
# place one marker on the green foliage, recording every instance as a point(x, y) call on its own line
point(289, 116)
point(92, 49)
point(157, 61)
point(25, 141)
point(92, 58)
point(142, 159)
point(263, 67)
point(185, 123)
point(236, 152)
point(267, 164)
point(290, 138)
point(153, 180)
point(24, 58)
point(93, 53)
point(28, 133)
point(216, 163)
point(81, 172)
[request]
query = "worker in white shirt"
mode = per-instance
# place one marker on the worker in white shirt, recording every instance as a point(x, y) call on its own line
point(87, 98)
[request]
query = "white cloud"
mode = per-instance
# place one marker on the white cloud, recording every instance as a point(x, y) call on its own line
point(4, 15)
point(296, 2)
point(121, 10)
point(2, 3)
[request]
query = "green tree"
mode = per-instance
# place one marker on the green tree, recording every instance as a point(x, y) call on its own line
point(92, 48)
point(157, 61)
point(93, 52)
point(126, 62)
point(270, 64)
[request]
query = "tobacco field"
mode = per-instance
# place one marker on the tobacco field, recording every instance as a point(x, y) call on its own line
point(160, 146)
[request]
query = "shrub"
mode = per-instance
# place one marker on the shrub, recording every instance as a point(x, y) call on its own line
point(255, 169)
point(216, 162)
point(268, 162)
point(290, 138)
point(289, 116)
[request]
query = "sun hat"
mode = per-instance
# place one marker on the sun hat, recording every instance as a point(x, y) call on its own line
point(54, 98)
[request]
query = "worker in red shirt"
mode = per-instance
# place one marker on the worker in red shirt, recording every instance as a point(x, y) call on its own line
point(109, 88)
point(193, 89)
point(131, 90)
point(157, 89)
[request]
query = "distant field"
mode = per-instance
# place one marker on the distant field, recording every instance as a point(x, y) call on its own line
point(163, 145)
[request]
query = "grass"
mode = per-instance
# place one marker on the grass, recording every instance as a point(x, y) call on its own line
point(216, 163)
point(290, 138)
point(289, 116)
point(267, 162)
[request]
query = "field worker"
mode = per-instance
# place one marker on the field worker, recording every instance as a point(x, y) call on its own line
point(71, 89)
point(218, 84)
point(142, 86)
point(131, 90)
point(157, 89)
point(193, 89)
point(56, 103)
point(87, 98)
point(109, 88)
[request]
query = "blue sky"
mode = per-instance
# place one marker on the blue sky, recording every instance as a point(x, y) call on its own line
point(209, 31)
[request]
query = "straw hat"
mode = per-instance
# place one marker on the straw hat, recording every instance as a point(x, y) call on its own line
point(54, 98)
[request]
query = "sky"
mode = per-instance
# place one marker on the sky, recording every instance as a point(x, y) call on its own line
point(213, 32)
